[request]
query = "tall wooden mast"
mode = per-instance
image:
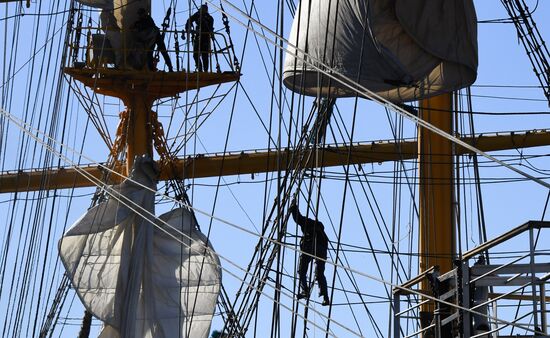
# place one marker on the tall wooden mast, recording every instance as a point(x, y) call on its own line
point(436, 244)
point(435, 157)
point(139, 140)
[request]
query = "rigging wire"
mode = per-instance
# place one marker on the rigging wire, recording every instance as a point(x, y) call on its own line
point(24, 309)
point(352, 85)
point(24, 127)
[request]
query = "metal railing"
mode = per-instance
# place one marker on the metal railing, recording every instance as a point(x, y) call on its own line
point(93, 48)
point(523, 274)
point(491, 295)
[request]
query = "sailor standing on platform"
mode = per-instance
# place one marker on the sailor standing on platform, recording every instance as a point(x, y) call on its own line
point(148, 34)
point(314, 245)
point(201, 39)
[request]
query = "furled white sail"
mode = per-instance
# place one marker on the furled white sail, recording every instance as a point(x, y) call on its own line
point(400, 49)
point(125, 11)
point(134, 273)
point(104, 4)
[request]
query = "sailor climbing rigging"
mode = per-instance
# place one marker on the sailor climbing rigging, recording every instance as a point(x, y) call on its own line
point(314, 244)
point(201, 39)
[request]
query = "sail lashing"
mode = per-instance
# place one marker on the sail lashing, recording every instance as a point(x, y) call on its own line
point(383, 46)
point(142, 276)
point(125, 12)
point(117, 18)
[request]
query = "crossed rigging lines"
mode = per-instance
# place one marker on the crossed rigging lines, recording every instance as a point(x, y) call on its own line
point(145, 213)
point(532, 41)
point(31, 268)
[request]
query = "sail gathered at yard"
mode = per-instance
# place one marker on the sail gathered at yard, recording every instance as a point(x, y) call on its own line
point(350, 178)
point(142, 276)
point(125, 11)
point(401, 50)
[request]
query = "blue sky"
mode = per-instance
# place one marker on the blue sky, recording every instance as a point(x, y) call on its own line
point(502, 62)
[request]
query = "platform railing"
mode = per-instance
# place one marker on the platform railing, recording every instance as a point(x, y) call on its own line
point(517, 280)
point(90, 47)
point(487, 293)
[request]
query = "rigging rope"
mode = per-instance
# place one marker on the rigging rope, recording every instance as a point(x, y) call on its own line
point(266, 181)
point(29, 130)
point(361, 90)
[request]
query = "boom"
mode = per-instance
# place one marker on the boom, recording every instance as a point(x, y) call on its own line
point(257, 161)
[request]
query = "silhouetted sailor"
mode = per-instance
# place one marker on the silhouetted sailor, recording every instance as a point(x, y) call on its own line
point(201, 40)
point(148, 34)
point(314, 242)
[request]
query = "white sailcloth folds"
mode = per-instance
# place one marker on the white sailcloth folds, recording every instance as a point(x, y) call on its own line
point(402, 50)
point(103, 4)
point(116, 21)
point(131, 273)
point(125, 11)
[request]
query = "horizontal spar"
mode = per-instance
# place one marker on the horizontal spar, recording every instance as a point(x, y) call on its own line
point(252, 162)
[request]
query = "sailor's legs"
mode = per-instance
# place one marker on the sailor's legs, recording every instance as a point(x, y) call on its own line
point(302, 272)
point(201, 52)
point(205, 60)
point(320, 277)
point(197, 58)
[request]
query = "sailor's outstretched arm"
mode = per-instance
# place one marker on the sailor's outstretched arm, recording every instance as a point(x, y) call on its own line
point(307, 224)
point(298, 218)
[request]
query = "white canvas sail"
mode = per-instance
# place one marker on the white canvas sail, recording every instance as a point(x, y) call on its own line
point(117, 19)
point(103, 4)
point(125, 11)
point(132, 275)
point(402, 50)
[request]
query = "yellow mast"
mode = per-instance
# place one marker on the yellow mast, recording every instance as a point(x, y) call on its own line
point(139, 139)
point(436, 245)
point(139, 89)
